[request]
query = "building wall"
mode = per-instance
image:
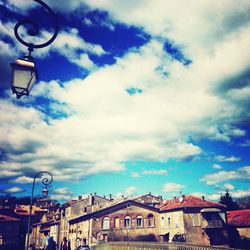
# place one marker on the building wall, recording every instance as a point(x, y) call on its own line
point(88, 205)
point(10, 234)
point(244, 231)
point(193, 227)
point(79, 233)
point(54, 232)
point(66, 215)
point(119, 231)
point(200, 230)
point(193, 230)
point(171, 223)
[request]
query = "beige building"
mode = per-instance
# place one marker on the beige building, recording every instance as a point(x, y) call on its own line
point(193, 220)
point(97, 219)
point(78, 235)
point(122, 220)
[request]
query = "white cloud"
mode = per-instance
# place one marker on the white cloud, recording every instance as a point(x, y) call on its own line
point(23, 179)
point(214, 197)
point(61, 194)
point(223, 158)
point(74, 48)
point(105, 125)
point(14, 190)
point(242, 173)
point(135, 174)
point(128, 192)
point(198, 194)
point(238, 193)
point(217, 166)
point(155, 172)
point(9, 173)
point(172, 187)
point(229, 186)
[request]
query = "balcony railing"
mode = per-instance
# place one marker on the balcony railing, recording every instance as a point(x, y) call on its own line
point(212, 224)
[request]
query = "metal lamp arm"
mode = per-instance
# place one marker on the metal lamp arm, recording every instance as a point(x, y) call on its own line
point(46, 181)
point(34, 30)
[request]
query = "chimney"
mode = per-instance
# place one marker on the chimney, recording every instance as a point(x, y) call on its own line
point(174, 199)
point(122, 196)
point(79, 197)
point(110, 196)
point(95, 193)
point(91, 200)
point(183, 198)
point(203, 197)
point(104, 196)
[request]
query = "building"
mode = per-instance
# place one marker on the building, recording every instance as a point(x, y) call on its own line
point(77, 209)
point(240, 220)
point(149, 199)
point(49, 223)
point(121, 220)
point(98, 219)
point(193, 220)
point(10, 236)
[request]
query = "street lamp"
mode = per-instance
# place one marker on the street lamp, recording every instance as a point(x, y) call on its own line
point(24, 71)
point(45, 181)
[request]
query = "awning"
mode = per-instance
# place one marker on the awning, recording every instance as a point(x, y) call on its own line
point(210, 210)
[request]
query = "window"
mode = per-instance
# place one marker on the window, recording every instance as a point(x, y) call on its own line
point(196, 220)
point(169, 222)
point(127, 222)
point(139, 221)
point(151, 220)
point(106, 223)
point(117, 223)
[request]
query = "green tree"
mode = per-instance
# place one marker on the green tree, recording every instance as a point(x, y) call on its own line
point(227, 200)
point(243, 202)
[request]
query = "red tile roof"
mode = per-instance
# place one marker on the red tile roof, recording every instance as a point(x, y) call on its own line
point(7, 218)
point(239, 217)
point(188, 201)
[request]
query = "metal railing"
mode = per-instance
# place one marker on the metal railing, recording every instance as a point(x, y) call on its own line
point(154, 245)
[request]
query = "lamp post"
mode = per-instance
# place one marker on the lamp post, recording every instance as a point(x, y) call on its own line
point(45, 181)
point(24, 71)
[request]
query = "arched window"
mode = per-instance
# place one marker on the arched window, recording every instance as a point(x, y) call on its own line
point(117, 222)
point(151, 221)
point(139, 221)
point(106, 223)
point(127, 222)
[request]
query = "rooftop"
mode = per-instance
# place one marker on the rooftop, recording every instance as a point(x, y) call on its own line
point(239, 217)
point(7, 218)
point(188, 201)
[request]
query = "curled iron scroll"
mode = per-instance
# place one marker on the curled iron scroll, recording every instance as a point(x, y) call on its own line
point(45, 180)
point(34, 29)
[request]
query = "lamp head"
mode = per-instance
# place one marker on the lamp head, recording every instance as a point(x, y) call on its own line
point(45, 192)
point(24, 76)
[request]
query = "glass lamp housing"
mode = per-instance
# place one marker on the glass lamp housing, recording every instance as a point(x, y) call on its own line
point(24, 76)
point(45, 192)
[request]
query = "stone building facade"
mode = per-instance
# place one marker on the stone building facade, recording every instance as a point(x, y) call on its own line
point(193, 220)
point(125, 220)
point(98, 219)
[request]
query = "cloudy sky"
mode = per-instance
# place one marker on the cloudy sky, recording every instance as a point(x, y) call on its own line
point(133, 97)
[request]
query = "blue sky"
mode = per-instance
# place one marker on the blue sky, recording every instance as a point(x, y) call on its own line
point(133, 97)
